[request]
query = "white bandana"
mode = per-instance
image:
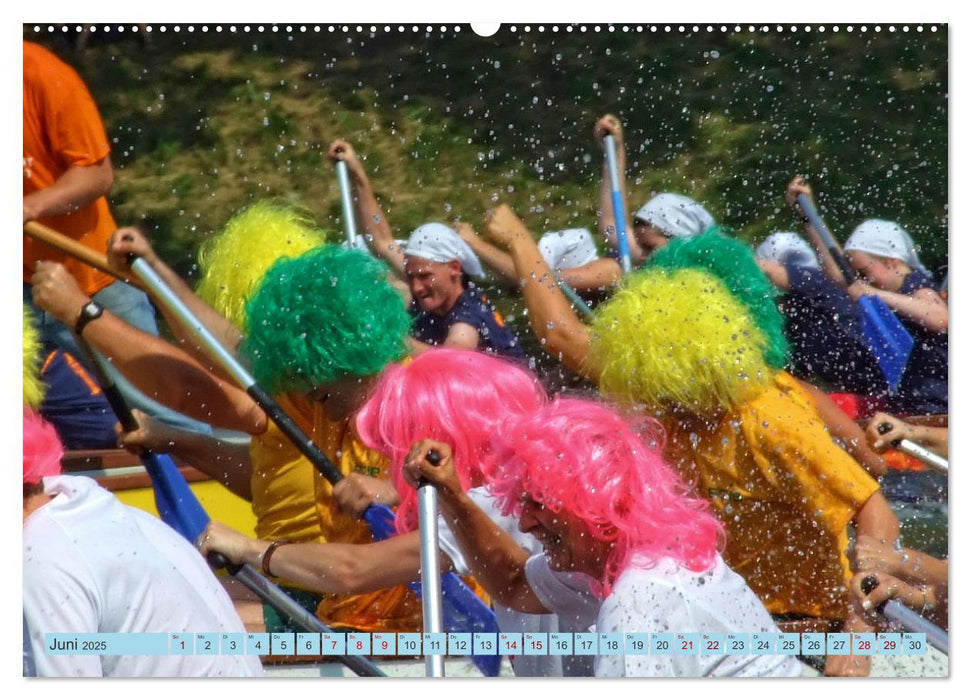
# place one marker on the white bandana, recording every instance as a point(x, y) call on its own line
point(676, 216)
point(886, 240)
point(439, 243)
point(563, 250)
point(787, 247)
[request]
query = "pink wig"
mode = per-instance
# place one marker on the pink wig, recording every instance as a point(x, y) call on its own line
point(458, 397)
point(42, 449)
point(584, 460)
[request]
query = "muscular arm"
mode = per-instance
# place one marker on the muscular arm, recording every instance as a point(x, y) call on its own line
point(496, 561)
point(595, 276)
point(924, 306)
point(128, 241)
point(849, 435)
point(77, 187)
point(328, 567)
point(161, 371)
point(370, 218)
point(554, 322)
point(226, 461)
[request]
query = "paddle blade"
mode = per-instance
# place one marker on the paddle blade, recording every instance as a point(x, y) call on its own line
point(887, 337)
point(177, 505)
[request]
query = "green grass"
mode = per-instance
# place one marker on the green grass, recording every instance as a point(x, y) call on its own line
point(206, 124)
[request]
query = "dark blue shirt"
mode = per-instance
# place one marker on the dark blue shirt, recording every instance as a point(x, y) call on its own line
point(473, 308)
point(825, 332)
point(923, 388)
point(75, 405)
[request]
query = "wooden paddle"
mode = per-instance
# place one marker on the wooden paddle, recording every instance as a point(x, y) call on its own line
point(69, 246)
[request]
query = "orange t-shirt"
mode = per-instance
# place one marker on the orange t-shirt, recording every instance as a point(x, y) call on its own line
point(62, 129)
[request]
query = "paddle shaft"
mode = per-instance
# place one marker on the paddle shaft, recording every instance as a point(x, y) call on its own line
point(620, 216)
point(914, 450)
point(347, 205)
point(285, 605)
point(71, 247)
point(828, 241)
point(252, 579)
point(431, 574)
point(908, 619)
point(233, 367)
point(574, 298)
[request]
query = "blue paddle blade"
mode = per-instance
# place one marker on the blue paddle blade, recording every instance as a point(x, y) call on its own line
point(887, 337)
point(177, 505)
point(462, 610)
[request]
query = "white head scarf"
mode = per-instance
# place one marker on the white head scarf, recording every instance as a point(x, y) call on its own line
point(787, 247)
point(563, 250)
point(885, 239)
point(676, 216)
point(439, 243)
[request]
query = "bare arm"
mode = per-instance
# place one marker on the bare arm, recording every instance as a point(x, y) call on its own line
point(494, 257)
point(77, 187)
point(554, 322)
point(130, 241)
point(830, 267)
point(924, 306)
point(606, 221)
point(161, 371)
point(875, 519)
point(377, 231)
point(226, 462)
point(595, 276)
point(932, 437)
point(849, 435)
point(327, 567)
point(495, 559)
point(776, 273)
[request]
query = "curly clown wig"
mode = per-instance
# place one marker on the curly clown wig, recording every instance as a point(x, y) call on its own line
point(585, 462)
point(234, 261)
point(42, 449)
point(322, 316)
point(33, 384)
point(733, 263)
point(454, 396)
point(678, 339)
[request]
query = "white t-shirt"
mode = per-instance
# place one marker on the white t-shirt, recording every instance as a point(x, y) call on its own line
point(511, 620)
point(95, 565)
point(668, 598)
point(664, 598)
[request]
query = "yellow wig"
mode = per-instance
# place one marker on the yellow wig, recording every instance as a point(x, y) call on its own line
point(234, 261)
point(33, 384)
point(678, 339)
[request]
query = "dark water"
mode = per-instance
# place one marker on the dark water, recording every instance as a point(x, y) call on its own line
point(920, 501)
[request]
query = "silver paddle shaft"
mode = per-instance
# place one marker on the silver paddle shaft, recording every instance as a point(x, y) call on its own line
point(347, 204)
point(923, 454)
point(431, 576)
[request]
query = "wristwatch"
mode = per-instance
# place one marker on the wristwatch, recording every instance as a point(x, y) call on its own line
point(89, 312)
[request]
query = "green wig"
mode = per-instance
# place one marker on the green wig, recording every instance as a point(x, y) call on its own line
point(678, 339)
point(327, 314)
point(731, 261)
point(33, 384)
point(234, 261)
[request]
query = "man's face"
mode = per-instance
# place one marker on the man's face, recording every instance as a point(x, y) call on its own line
point(433, 285)
point(568, 545)
point(649, 237)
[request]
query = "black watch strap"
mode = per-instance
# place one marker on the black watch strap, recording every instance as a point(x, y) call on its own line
point(89, 312)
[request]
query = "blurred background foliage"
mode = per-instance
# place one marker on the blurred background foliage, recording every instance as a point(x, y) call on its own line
point(204, 123)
